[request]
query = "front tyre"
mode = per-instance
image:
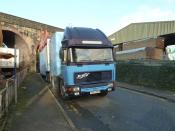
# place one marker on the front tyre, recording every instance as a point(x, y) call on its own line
point(62, 91)
point(103, 93)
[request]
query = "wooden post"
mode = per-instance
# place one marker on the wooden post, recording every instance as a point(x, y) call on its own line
point(1, 37)
point(7, 96)
point(15, 76)
point(1, 108)
point(0, 103)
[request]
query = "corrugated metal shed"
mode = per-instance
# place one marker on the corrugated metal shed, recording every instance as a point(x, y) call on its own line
point(136, 31)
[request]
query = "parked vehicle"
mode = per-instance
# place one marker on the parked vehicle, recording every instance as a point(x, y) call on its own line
point(81, 62)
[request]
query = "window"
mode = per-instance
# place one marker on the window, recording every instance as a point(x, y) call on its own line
point(64, 56)
point(91, 55)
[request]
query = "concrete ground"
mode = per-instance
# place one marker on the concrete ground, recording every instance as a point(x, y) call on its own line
point(125, 109)
point(36, 113)
point(42, 115)
point(122, 110)
point(165, 94)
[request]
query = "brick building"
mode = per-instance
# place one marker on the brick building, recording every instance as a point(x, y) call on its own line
point(147, 40)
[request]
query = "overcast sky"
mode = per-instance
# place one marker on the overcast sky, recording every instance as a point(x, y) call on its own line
point(107, 15)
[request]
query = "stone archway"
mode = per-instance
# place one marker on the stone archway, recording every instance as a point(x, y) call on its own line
point(11, 38)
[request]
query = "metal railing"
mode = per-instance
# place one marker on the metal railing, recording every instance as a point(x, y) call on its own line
point(9, 93)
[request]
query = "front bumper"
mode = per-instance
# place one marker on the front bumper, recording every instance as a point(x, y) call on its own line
point(78, 90)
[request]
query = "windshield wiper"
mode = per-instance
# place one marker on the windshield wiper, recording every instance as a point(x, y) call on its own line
point(106, 60)
point(102, 60)
point(84, 61)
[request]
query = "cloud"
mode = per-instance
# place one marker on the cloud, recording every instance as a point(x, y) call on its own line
point(169, 1)
point(148, 14)
point(145, 14)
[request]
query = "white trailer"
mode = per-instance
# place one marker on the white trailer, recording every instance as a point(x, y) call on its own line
point(44, 60)
point(50, 62)
point(55, 61)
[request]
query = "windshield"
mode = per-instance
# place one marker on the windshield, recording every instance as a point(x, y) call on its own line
point(92, 55)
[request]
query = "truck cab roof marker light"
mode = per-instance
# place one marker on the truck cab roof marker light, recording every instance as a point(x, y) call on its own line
point(91, 42)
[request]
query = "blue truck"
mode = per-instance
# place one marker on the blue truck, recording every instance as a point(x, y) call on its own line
point(81, 62)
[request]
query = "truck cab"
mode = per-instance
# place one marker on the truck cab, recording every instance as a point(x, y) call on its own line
point(86, 63)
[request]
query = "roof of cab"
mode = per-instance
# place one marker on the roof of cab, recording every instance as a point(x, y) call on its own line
point(84, 33)
point(75, 36)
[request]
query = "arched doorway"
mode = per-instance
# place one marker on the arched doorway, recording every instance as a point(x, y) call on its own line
point(11, 40)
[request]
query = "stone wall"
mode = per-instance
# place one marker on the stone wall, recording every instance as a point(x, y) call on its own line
point(151, 48)
point(29, 33)
point(154, 74)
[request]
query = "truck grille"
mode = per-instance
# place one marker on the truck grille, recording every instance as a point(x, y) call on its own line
point(92, 77)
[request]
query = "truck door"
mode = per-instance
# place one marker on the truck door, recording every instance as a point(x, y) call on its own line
point(63, 62)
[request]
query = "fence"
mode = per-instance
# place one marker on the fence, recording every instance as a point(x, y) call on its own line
point(8, 94)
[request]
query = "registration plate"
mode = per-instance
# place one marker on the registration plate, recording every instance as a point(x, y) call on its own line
point(94, 92)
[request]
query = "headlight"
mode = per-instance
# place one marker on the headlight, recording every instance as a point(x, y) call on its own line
point(109, 89)
point(111, 85)
point(75, 89)
point(76, 93)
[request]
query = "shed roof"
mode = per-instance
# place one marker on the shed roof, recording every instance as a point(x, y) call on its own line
point(136, 31)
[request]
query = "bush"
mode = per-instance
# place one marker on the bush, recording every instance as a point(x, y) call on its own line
point(158, 75)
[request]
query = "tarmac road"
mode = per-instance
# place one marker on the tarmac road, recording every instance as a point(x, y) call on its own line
point(121, 110)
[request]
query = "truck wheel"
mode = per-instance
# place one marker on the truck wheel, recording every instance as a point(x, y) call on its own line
point(43, 77)
point(47, 76)
point(103, 93)
point(55, 84)
point(62, 91)
point(52, 82)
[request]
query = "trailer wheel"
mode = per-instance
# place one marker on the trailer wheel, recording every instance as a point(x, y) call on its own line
point(104, 93)
point(55, 85)
point(47, 76)
point(54, 82)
